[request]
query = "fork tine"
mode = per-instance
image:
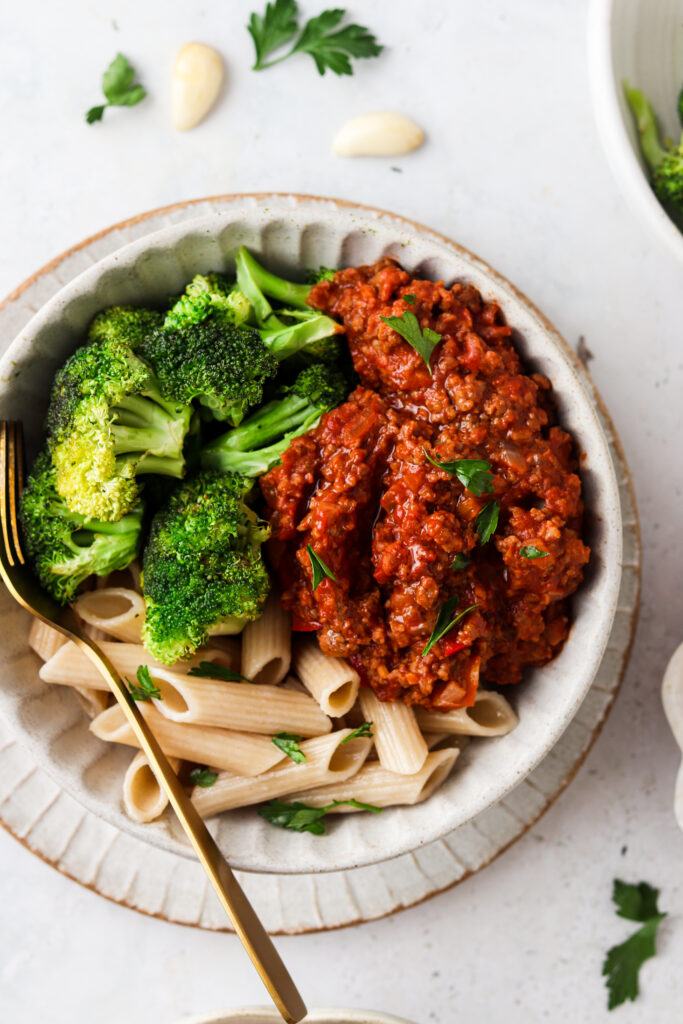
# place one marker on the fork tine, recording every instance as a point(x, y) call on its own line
point(3, 492)
point(16, 484)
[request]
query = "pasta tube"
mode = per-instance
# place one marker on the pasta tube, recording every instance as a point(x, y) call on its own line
point(332, 681)
point(143, 798)
point(400, 744)
point(490, 715)
point(117, 611)
point(267, 644)
point(44, 640)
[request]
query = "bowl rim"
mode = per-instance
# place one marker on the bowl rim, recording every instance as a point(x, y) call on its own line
point(326, 1015)
point(616, 142)
point(497, 284)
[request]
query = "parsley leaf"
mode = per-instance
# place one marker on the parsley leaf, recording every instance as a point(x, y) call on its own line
point(363, 730)
point(410, 298)
point(444, 622)
point(474, 474)
point(288, 743)
point(277, 26)
point(209, 670)
point(203, 777)
point(461, 561)
point(408, 327)
point(487, 521)
point(622, 963)
point(320, 569)
point(118, 88)
point(328, 48)
point(147, 687)
point(298, 817)
point(533, 552)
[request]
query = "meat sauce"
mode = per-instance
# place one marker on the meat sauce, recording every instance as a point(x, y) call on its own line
point(360, 490)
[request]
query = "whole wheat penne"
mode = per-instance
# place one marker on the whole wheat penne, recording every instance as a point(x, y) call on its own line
point(400, 744)
point(432, 739)
point(143, 798)
point(490, 715)
point(44, 640)
point(374, 785)
point(69, 666)
point(327, 759)
point(117, 611)
point(267, 644)
point(332, 681)
point(240, 753)
point(92, 701)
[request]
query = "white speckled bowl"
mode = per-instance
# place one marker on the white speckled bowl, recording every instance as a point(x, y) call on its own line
point(640, 41)
point(292, 233)
point(265, 1015)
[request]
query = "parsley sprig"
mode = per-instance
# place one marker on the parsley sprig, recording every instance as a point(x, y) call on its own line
point(423, 341)
point(147, 688)
point(460, 561)
point(364, 730)
point(529, 551)
point(474, 474)
point(623, 962)
point(288, 743)
point(487, 521)
point(298, 817)
point(445, 621)
point(320, 568)
point(203, 777)
point(210, 670)
point(118, 88)
point(329, 46)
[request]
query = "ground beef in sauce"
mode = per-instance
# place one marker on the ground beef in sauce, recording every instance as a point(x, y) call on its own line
point(360, 490)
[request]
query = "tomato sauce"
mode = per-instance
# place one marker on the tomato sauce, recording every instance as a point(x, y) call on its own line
point(360, 490)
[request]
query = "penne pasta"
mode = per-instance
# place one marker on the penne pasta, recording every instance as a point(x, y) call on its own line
point(374, 785)
point(332, 681)
point(92, 701)
point(267, 644)
point(400, 744)
point(240, 753)
point(328, 759)
point(490, 715)
point(44, 640)
point(116, 611)
point(143, 798)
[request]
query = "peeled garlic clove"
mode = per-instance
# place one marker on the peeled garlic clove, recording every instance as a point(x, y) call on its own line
point(379, 134)
point(196, 83)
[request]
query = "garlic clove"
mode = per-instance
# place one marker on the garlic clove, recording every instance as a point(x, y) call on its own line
point(195, 85)
point(380, 134)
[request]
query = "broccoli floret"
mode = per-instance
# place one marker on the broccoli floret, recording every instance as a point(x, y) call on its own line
point(107, 424)
point(221, 365)
point(65, 548)
point(259, 443)
point(665, 163)
point(127, 324)
point(203, 573)
point(205, 295)
point(297, 330)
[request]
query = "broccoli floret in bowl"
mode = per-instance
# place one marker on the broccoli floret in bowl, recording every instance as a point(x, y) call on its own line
point(203, 573)
point(664, 161)
point(204, 295)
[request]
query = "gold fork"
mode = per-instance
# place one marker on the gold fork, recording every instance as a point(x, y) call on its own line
point(25, 589)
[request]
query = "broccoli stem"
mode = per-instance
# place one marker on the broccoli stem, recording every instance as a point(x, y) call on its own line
point(283, 341)
point(268, 424)
point(143, 425)
point(646, 123)
point(251, 463)
point(252, 277)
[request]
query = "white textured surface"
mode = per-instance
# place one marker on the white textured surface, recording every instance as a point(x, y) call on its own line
point(513, 169)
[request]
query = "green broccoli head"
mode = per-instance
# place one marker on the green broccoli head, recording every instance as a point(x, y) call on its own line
point(664, 162)
point(203, 296)
point(108, 424)
point(257, 444)
point(128, 324)
point(203, 573)
point(221, 365)
point(65, 548)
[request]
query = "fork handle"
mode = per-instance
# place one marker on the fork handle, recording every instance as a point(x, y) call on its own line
point(245, 921)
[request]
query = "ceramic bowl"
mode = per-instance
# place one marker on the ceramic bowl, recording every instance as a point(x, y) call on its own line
point(640, 41)
point(265, 1015)
point(291, 233)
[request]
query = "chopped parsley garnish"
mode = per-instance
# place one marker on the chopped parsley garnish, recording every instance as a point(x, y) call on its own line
point(474, 474)
point(331, 49)
point(288, 743)
point(461, 561)
point(445, 621)
point(407, 325)
point(147, 687)
point(320, 569)
point(203, 777)
point(622, 963)
point(363, 730)
point(487, 521)
point(298, 817)
point(209, 670)
point(118, 88)
point(410, 298)
point(532, 552)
